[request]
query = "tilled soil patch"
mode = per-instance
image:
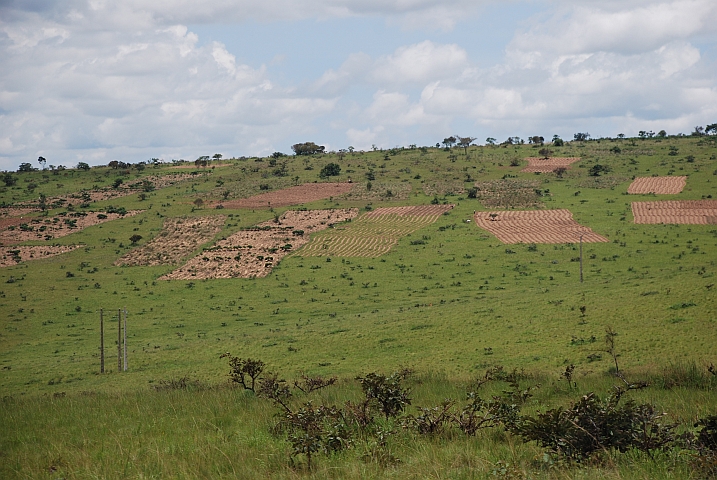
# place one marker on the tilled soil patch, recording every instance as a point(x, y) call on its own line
point(536, 226)
point(686, 212)
point(48, 228)
point(547, 165)
point(308, 192)
point(14, 255)
point(254, 252)
point(657, 185)
point(374, 233)
point(179, 238)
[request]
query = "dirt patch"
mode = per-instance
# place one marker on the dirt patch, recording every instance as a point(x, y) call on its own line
point(17, 211)
point(547, 165)
point(179, 238)
point(509, 193)
point(657, 185)
point(15, 255)
point(374, 233)
point(48, 228)
point(308, 192)
point(254, 252)
point(688, 212)
point(538, 226)
point(442, 188)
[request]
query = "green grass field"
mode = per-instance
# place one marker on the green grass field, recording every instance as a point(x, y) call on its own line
point(448, 300)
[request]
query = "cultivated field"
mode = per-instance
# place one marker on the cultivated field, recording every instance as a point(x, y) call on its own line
point(509, 193)
point(536, 226)
point(657, 185)
point(14, 255)
point(296, 195)
point(547, 165)
point(252, 253)
point(686, 212)
point(49, 228)
point(179, 237)
point(374, 233)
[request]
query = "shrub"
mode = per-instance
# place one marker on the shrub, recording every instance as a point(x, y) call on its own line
point(386, 392)
point(330, 170)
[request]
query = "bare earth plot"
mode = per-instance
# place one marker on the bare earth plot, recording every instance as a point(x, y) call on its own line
point(374, 233)
point(297, 195)
point(178, 238)
point(547, 165)
point(688, 212)
point(536, 226)
point(254, 252)
point(14, 255)
point(48, 228)
point(657, 185)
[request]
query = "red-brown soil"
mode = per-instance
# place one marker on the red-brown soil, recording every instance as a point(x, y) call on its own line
point(688, 212)
point(254, 252)
point(178, 238)
point(657, 185)
point(14, 255)
point(296, 195)
point(48, 228)
point(538, 226)
point(546, 165)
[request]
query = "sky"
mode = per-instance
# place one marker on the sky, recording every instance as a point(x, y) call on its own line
point(130, 80)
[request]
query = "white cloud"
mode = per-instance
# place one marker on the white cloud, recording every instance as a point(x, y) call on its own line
point(129, 80)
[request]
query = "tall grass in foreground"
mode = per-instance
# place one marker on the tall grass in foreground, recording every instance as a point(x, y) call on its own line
point(189, 430)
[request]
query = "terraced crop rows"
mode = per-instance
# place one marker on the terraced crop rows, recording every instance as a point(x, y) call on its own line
point(537, 226)
point(374, 233)
point(547, 165)
point(657, 185)
point(252, 253)
point(178, 238)
point(687, 212)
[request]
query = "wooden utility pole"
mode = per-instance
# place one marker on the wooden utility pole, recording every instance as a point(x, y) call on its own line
point(102, 343)
point(124, 340)
point(119, 340)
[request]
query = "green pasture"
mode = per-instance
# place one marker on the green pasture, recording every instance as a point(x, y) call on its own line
point(449, 300)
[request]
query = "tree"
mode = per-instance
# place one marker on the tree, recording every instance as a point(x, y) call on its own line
point(114, 164)
point(699, 131)
point(711, 129)
point(83, 166)
point(662, 134)
point(545, 152)
point(26, 167)
point(490, 141)
point(201, 161)
point(42, 162)
point(9, 179)
point(135, 238)
point(117, 183)
point(465, 142)
point(330, 170)
point(537, 140)
point(620, 136)
point(449, 142)
point(307, 148)
point(217, 156)
point(581, 137)
point(597, 169)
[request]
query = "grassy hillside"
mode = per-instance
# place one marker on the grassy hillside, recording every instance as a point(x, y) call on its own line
point(449, 300)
